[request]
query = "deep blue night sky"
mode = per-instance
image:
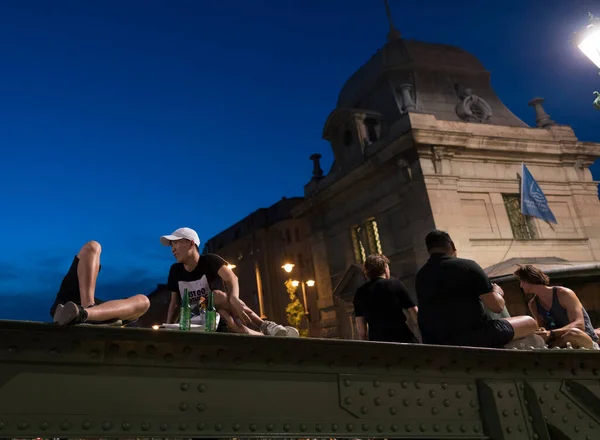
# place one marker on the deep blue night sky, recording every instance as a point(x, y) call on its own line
point(123, 120)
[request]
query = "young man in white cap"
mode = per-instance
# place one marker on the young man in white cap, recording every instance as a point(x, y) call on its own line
point(76, 301)
point(201, 273)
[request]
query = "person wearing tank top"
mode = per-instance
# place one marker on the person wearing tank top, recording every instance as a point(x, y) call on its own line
point(557, 310)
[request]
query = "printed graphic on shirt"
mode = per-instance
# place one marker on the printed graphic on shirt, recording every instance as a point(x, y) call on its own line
point(198, 293)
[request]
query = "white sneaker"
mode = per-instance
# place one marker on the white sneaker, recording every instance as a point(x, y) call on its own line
point(270, 328)
point(292, 332)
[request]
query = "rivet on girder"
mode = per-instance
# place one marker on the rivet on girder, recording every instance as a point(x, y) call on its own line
point(376, 384)
point(286, 427)
point(302, 427)
point(113, 348)
point(500, 394)
point(218, 427)
point(444, 385)
point(131, 355)
point(1, 424)
point(470, 386)
point(535, 436)
point(391, 392)
point(183, 406)
point(546, 387)
point(377, 401)
point(126, 426)
point(446, 402)
point(511, 392)
point(106, 426)
point(201, 388)
point(45, 425)
point(476, 428)
point(183, 426)
point(270, 362)
point(460, 412)
point(564, 419)
point(13, 349)
point(521, 386)
point(541, 399)
point(187, 350)
point(379, 428)
point(431, 393)
point(54, 351)
point(252, 427)
point(416, 369)
point(318, 427)
point(65, 426)
point(406, 402)
point(576, 428)
point(393, 410)
point(163, 427)
point(419, 402)
point(349, 427)
point(348, 400)
point(394, 428)
point(556, 396)
point(505, 413)
point(145, 426)
point(203, 359)
point(449, 428)
point(236, 427)
point(169, 357)
point(22, 425)
point(362, 391)
point(363, 409)
point(422, 427)
point(408, 428)
point(473, 404)
point(568, 405)
point(553, 409)
point(184, 386)
point(458, 394)
point(201, 407)
point(463, 428)
point(270, 427)
point(436, 427)
point(592, 425)
point(418, 385)
point(519, 428)
point(404, 384)
point(94, 354)
point(434, 410)
point(201, 426)
point(579, 415)
point(334, 427)
point(516, 412)
point(509, 430)
point(346, 383)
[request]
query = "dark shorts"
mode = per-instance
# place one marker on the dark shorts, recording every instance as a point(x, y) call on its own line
point(69, 289)
point(495, 333)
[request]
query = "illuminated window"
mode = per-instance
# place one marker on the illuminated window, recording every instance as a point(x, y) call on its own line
point(522, 225)
point(373, 237)
point(357, 245)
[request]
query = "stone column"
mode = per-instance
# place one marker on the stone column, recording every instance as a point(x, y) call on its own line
point(317, 172)
point(407, 103)
point(542, 119)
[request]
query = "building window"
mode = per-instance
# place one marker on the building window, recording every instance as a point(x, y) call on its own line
point(373, 237)
point(297, 234)
point(288, 236)
point(300, 261)
point(371, 126)
point(522, 225)
point(357, 244)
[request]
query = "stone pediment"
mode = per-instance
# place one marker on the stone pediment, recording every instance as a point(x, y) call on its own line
point(352, 280)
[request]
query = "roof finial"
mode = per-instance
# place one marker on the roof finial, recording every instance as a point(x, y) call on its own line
point(394, 33)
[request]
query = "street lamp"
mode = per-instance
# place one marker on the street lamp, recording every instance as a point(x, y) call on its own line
point(288, 267)
point(309, 283)
point(588, 42)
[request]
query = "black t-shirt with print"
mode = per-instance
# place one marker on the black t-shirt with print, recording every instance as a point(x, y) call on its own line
point(198, 282)
point(382, 302)
point(448, 291)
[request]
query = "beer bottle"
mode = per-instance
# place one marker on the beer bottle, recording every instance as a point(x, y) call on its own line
point(211, 314)
point(186, 312)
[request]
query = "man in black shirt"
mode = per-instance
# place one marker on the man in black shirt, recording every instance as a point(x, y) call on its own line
point(452, 293)
point(76, 301)
point(379, 305)
point(201, 273)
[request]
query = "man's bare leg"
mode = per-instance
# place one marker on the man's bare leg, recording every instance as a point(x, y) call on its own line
point(87, 271)
point(523, 326)
point(123, 309)
point(577, 338)
point(236, 327)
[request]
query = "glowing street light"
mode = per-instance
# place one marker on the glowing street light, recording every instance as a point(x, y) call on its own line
point(310, 283)
point(288, 267)
point(588, 42)
point(295, 283)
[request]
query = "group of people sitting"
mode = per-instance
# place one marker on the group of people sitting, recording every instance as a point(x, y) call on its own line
point(459, 305)
point(76, 301)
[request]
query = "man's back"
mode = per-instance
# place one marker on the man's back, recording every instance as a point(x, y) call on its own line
point(381, 302)
point(448, 291)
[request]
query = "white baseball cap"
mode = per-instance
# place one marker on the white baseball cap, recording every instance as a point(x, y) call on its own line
point(180, 234)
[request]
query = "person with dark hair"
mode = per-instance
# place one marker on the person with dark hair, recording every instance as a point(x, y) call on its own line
point(379, 305)
point(557, 311)
point(453, 294)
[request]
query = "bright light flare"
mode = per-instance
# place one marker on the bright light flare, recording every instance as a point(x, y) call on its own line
point(295, 283)
point(590, 45)
point(288, 267)
point(310, 283)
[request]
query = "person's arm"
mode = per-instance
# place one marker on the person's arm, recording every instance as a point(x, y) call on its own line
point(494, 300)
point(534, 313)
point(490, 294)
point(173, 312)
point(361, 328)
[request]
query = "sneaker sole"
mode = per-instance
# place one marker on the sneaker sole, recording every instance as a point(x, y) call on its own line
point(291, 332)
point(66, 313)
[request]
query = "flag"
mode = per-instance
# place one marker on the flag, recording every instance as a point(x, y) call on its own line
point(533, 200)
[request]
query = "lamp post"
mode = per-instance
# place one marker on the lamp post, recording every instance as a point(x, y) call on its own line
point(588, 42)
point(288, 267)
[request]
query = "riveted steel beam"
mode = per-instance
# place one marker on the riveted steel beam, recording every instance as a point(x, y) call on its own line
point(112, 382)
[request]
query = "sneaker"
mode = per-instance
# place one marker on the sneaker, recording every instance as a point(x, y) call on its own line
point(69, 313)
point(292, 332)
point(269, 328)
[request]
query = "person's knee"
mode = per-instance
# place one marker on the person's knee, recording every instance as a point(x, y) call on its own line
point(143, 303)
point(529, 323)
point(575, 333)
point(91, 248)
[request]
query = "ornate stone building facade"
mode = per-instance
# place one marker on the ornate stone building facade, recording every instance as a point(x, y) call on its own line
point(421, 141)
point(259, 245)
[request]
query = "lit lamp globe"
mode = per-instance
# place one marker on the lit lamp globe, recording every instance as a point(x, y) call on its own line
point(288, 267)
point(588, 41)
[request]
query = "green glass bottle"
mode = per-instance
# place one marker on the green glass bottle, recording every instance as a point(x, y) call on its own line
point(211, 314)
point(186, 312)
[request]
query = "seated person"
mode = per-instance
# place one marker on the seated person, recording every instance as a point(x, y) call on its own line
point(453, 294)
point(557, 310)
point(379, 305)
point(76, 303)
point(201, 273)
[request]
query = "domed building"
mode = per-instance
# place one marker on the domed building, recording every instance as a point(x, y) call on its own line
point(421, 141)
